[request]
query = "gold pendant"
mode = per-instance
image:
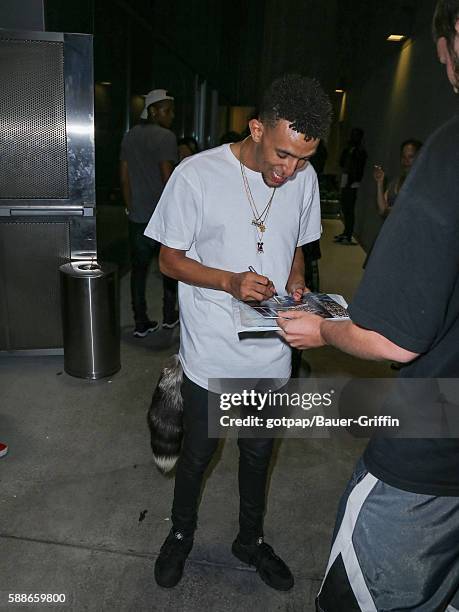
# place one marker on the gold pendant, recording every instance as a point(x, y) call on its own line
point(261, 227)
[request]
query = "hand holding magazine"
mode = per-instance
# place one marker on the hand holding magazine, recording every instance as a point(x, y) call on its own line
point(261, 316)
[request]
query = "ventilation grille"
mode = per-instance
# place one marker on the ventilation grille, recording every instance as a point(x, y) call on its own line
point(33, 145)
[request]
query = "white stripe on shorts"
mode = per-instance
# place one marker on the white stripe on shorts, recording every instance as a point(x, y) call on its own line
point(343, 544)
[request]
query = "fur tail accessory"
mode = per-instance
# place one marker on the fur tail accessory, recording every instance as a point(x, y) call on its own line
point(165, 416)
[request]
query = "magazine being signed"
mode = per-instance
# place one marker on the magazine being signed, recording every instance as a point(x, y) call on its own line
point(261, 316)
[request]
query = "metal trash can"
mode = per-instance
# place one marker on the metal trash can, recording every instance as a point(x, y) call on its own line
point(90, 319)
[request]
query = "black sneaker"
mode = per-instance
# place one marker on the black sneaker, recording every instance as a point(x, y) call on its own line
point(348, 242)
point(339, 238)
point(171, 320)
point(142, 328)
point(273, 571)
point(171, 559)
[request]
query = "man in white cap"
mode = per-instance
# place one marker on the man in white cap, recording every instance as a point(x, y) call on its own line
point(147, 159)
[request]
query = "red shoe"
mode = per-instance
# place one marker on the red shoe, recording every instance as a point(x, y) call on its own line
point(3, 449)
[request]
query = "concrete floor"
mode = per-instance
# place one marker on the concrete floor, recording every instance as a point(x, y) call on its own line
point(83, 511)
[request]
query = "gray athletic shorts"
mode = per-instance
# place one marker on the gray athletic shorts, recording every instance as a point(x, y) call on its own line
point(392, 550)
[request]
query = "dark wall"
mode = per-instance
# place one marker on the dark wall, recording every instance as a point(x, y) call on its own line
point(300, 37)
point(220, 40)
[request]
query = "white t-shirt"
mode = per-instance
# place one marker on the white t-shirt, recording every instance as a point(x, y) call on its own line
point(204, 210)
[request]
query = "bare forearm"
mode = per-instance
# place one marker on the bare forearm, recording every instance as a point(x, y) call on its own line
point(194, 273)
point(241, 285)
point(363, 343)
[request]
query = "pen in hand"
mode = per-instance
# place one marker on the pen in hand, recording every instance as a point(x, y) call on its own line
point(275, 298)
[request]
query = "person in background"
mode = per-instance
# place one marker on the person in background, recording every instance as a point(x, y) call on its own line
point(352, 161)
point(148, 157)
point(385, 199)
point(396, 539)
point(187, 146)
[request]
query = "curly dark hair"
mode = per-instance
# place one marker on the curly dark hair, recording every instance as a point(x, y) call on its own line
point(300, 100)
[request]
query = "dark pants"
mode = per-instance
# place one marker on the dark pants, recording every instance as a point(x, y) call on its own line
point(143, 249)
point(197, 451)
point(348, 198)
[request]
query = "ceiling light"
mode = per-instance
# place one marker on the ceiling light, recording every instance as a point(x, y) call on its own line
point(339, 90)
point(396, 37)
point(105, 83)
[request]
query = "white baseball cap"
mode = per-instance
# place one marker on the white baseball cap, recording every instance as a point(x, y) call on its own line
point(155, 95)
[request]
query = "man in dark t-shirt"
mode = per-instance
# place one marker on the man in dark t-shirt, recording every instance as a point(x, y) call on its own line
point(396, 542)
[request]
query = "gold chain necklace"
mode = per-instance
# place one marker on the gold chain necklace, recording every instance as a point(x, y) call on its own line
point(259, 219)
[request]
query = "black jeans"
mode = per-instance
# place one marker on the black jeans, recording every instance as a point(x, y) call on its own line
point(348, 199)
point(143, 249)
point(197, 451)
